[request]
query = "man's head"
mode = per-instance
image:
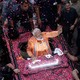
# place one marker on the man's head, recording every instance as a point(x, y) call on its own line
point(68, 6)
point(24, 5)
point(63, 1)
point(37, 33)
point(74, 1)
point(1, 0)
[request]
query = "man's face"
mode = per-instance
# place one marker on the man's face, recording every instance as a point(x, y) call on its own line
point(25, 6)
point(63, 1)
point(68, 7)
point(38, 34)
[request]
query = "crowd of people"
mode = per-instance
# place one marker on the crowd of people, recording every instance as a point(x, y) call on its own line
point(61, 16)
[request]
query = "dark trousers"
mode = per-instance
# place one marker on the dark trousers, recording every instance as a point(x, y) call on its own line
point(68, 35)
point(78, 42)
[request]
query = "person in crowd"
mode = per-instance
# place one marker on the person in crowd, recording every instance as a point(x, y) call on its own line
point(22, 16)
point(48, 12)
point(63, 3)
point(5, 9)
point(6, 67)
point(38, 44)
point(76, 5)
point(76, 70)
point(69, 18)
point(5, 6)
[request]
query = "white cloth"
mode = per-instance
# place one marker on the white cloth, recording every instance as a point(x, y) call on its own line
point(58, 51)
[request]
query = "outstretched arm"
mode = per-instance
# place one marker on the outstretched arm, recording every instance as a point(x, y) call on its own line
point(53, 33)
point(71, 57)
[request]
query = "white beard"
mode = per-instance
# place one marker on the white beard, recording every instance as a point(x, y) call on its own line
point(39, 39)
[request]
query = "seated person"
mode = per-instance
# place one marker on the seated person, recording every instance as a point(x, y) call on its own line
point(76, 71)
point(38, 44)
point(5, 61)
